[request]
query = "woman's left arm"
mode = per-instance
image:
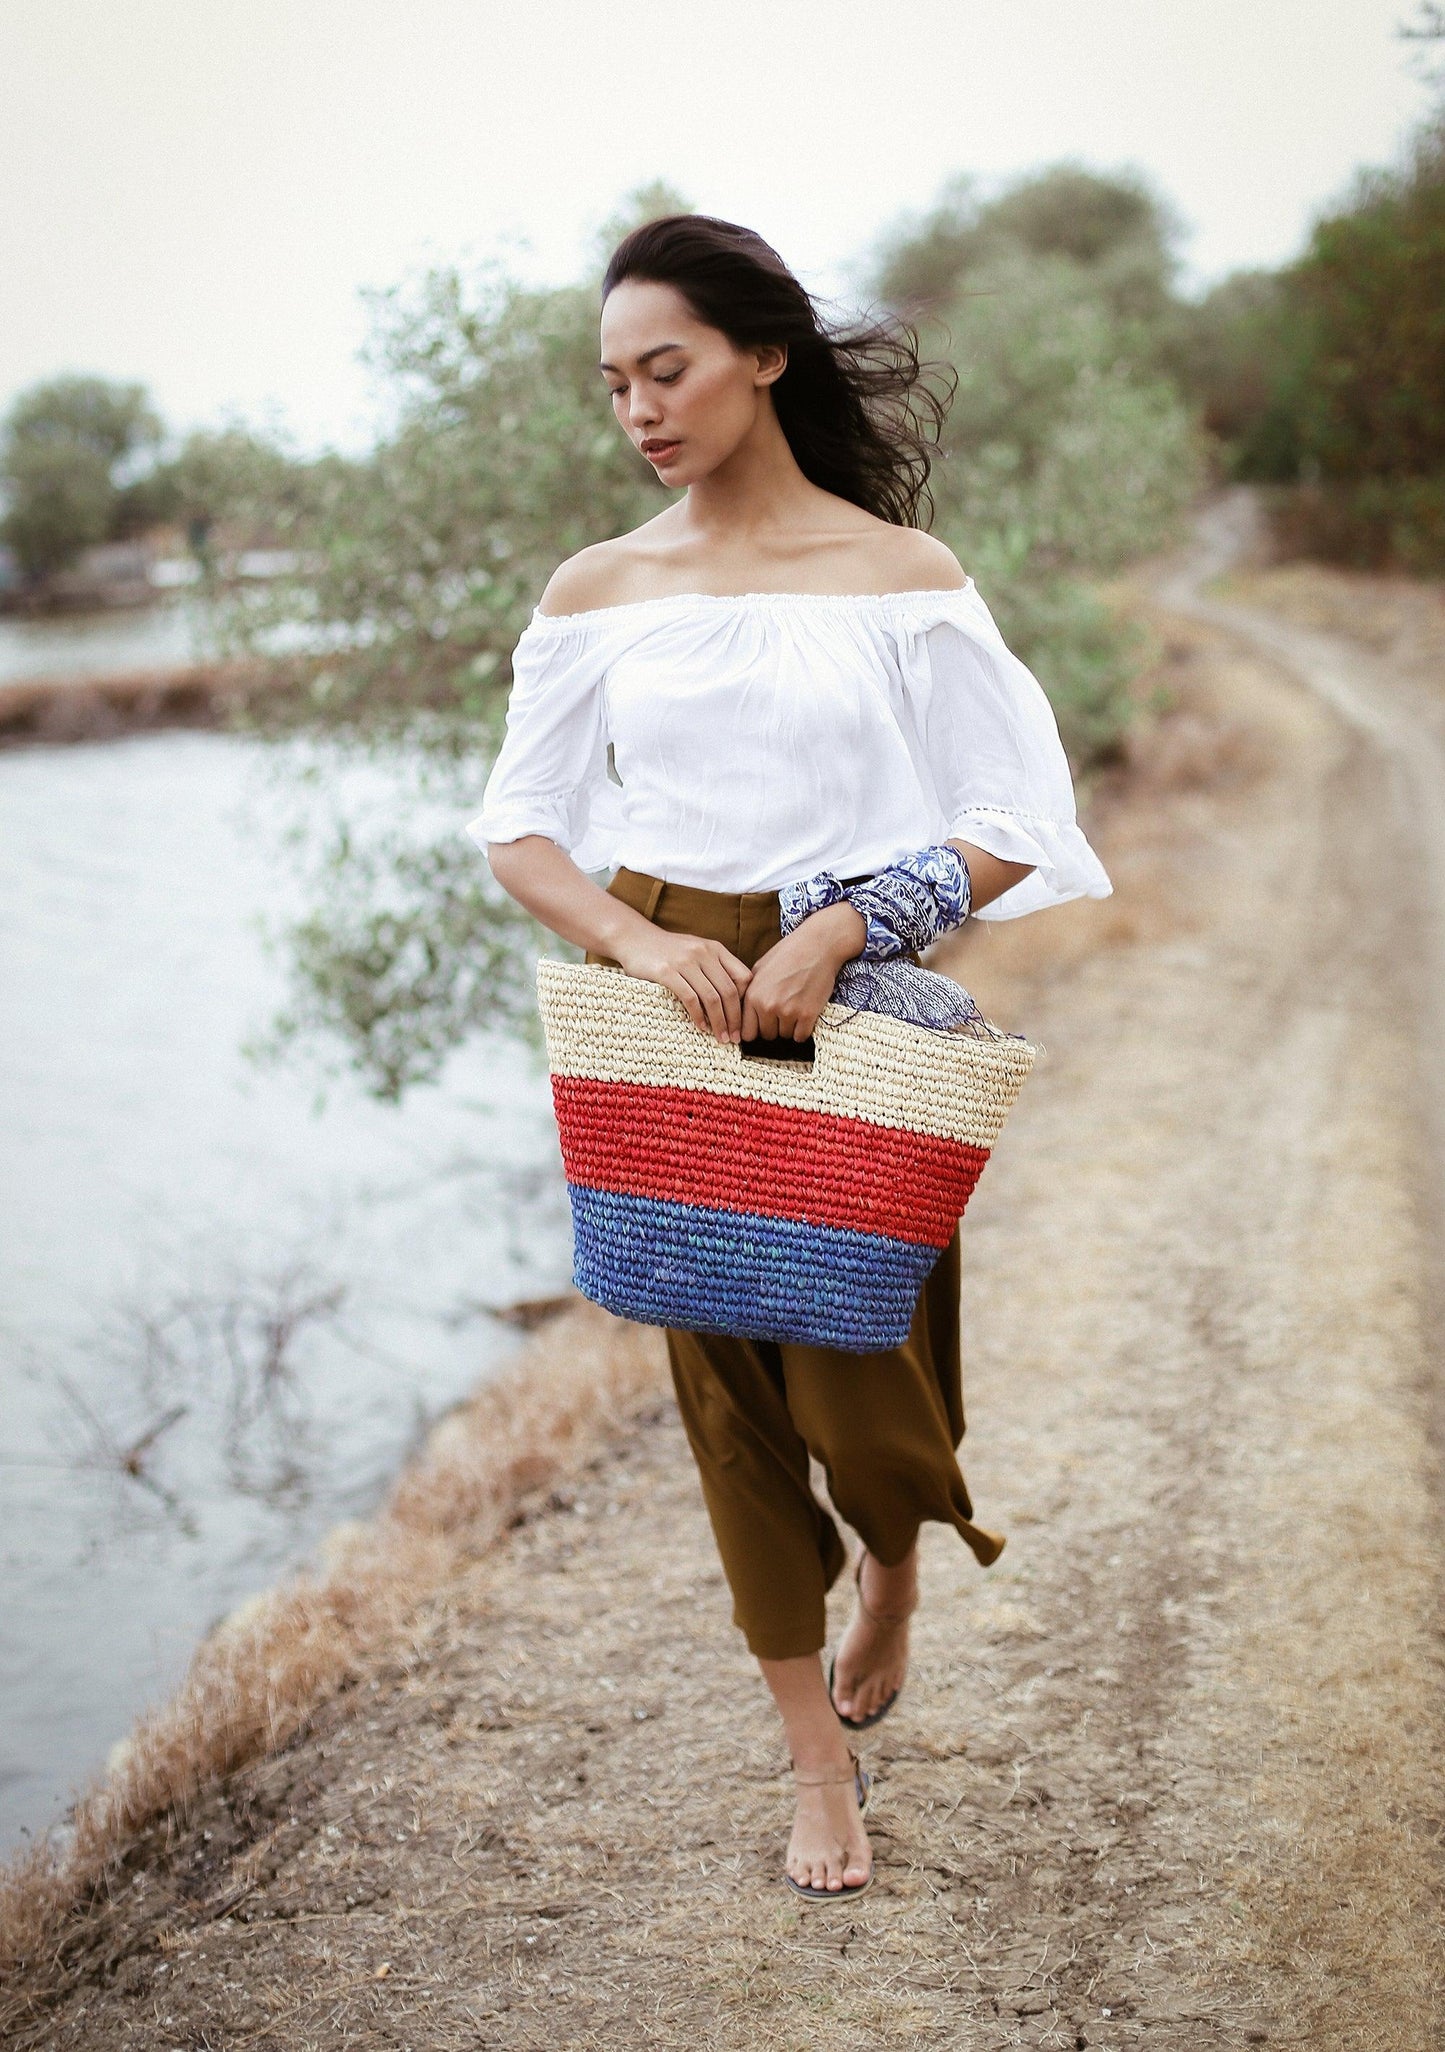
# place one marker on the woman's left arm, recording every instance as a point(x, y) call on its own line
point(989, 876)
point(793, 981)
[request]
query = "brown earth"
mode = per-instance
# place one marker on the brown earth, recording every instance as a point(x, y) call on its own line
point(1167, 1775)
point(54, 710)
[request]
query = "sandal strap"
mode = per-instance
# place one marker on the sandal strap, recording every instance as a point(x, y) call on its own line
point(826, 1776)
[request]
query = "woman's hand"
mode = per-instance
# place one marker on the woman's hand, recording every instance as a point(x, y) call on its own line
point(794, 980)
point(709, 980)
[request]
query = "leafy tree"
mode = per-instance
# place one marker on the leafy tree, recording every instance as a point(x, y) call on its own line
point(1366, 385)
point(232, 479)
point(1329, 377)
point(1238, 353)
point(65, 449)
point(415, 573)
point(1068, 449)
point(1114, 227)
point(411, 947)
point(1370, 294)
point(1054, 430)
point(422, 565)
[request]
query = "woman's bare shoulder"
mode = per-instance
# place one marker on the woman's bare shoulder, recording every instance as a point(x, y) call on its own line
point(584, 583)
point(610, 573)
point(910, 560)
point(876, 555)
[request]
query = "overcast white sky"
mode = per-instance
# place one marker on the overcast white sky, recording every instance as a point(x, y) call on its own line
point(192, 192)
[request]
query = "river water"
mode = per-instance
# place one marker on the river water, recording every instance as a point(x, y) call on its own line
point(272, 1288)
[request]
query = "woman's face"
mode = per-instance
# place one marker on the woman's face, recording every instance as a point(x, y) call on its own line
point(682, 392)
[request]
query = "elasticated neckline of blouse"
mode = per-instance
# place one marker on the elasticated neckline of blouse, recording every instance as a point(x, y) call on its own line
point(822, 601)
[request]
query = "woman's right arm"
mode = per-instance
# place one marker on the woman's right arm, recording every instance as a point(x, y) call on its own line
point(703, 974)
point(549, 791)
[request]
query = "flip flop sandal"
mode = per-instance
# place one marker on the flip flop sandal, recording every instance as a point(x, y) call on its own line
point(862, 1782)
point(874, 1716)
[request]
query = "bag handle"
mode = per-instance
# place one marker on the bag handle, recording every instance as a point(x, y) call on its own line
point(778, 1050)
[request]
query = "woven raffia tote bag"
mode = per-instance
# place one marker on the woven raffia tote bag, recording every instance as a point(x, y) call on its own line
point(772, 1197)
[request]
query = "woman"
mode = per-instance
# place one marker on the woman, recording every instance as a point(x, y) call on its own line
point(779, 676)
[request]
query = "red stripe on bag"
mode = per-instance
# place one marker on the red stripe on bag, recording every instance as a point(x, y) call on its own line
point(776, 1161)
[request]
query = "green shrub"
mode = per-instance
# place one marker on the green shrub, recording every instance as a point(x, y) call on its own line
point(1374, 523)
point(412, 948)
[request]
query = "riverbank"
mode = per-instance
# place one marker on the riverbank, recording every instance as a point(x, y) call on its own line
point(51, 711)
point(265, 1674)
point(1167, 1775)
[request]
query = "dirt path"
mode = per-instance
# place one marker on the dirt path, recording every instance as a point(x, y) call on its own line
point(1166, 1776)
point(1382, 669)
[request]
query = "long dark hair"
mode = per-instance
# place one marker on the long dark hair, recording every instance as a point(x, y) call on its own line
point(861, 411)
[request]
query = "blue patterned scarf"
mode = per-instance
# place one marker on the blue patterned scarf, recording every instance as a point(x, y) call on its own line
point(905, 908)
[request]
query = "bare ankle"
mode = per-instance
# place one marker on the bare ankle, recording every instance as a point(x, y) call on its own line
point(888, 1595)
point(814, 1736)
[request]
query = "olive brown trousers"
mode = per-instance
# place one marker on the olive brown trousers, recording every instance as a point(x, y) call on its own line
point(884, 1427)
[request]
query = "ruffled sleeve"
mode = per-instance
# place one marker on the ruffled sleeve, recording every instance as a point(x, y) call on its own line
point(998, 767)
point(550, 776)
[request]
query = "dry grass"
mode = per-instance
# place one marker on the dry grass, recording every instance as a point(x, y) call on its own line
point(255, 1683)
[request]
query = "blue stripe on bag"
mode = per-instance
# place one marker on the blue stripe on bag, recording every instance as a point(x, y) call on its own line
point(701, 1270)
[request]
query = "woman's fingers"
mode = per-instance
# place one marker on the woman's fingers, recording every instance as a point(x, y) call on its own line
point(765, 1021)
point(711, 983)
point(723, 996)
point(732, 1002)
point(710, 998)
point(719, 976)
point(730, 978)
point(740, 973)
point(673, 980)
point(760, 1022)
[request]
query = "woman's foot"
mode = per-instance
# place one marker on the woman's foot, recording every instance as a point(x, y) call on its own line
point(872, 1659)
point(829, 1848)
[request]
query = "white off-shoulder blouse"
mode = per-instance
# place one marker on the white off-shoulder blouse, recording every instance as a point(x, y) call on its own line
point(744, 743)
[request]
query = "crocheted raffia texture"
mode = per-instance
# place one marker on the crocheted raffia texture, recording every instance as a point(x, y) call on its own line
point(779, 1200)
